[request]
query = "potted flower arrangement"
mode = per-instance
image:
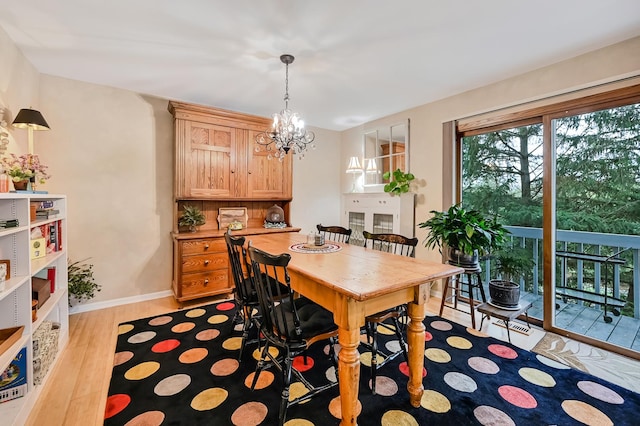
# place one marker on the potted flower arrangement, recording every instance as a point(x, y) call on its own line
point(467, 233)
point(24, 168)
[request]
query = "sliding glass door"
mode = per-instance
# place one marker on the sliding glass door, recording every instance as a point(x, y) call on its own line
point(597, 220)
point(502, 176)
point(566, 183)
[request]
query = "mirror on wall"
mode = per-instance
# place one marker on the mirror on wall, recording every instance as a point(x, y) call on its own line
point(385, 149)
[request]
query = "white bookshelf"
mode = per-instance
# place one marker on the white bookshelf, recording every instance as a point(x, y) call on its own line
point(15, 299)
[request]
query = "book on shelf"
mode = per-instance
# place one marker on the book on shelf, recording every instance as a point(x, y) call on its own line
point(9, 223)
point(51, 276)
point(48, 274)
point(13, 381)
point(46, 204)
point(59, 234)
point(46, 213)
point(52, 234)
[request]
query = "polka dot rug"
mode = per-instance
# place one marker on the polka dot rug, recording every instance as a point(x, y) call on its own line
point(181, 368)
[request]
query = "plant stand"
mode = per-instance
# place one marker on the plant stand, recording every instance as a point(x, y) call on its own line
point(455, 285)
point(505, 315)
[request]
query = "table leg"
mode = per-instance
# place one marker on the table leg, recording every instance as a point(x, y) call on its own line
point(415, 339)
point(349, 374)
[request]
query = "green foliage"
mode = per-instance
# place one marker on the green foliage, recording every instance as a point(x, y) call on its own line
point(597, 176)
point(191, 216)
point(466, 230)
point(82, 285)
point(400, 184)
point(512, 263)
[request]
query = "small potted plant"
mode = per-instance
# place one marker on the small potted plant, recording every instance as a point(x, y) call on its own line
point(192, 217)
point(400, 184)
point(82, 285)
point(510, 264)
point(467, 233)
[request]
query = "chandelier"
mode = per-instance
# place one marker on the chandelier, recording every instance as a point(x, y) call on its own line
point(287, 132)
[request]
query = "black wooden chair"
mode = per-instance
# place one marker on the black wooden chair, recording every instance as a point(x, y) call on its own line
point(244, 292)
point(403, 246)
point(337, 234)
point(291, 325)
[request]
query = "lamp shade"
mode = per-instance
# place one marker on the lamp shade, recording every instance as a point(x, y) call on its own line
point(30, 119)
point(354, 165)
point(372, 167)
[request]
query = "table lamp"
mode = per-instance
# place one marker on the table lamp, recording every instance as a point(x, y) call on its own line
point(353, 168)
point(32, 120)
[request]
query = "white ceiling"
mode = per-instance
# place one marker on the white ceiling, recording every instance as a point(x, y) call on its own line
point(356, 60)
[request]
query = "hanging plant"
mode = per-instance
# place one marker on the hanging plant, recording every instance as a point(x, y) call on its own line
point(401, 182)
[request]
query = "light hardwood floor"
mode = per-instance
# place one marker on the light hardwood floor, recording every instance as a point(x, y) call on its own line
point(76, 392)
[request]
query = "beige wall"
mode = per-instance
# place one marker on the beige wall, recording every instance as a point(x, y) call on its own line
point(316, 182)
point(110, 151)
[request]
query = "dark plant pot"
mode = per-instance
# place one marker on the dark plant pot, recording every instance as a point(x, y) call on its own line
point(504, 293)
point(466, 261)
point(21, 185)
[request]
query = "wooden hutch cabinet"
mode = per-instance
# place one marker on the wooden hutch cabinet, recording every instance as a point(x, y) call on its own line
point(216, 156)
point(217, 166)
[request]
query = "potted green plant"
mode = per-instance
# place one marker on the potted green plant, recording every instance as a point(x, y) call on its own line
point(400, 184)
point(467, 233)
point(191, 217)
point(510, 264)
point(82, 284)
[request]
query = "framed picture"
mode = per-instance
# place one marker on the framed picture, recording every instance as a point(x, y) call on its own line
point(5, 269)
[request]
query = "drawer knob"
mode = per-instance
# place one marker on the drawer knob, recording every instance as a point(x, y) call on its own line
point(206, 246)
point(206, 262)
point(206, 281)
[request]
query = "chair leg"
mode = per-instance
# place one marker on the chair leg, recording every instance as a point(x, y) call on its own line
point(238, 316)
point(334, 355)
point(260, 365)
point(396, 323)
point(248, 321)
point(472, 309)
point(286, 373)
point(444, 294)
point(374, 356)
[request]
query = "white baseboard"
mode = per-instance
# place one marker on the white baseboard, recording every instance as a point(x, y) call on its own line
point(86, 307)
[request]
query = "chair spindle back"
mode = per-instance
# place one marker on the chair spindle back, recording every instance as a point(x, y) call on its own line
point(391, 243)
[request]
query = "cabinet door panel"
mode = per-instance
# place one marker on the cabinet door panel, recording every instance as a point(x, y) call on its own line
point(267, 178)
point(209, 160)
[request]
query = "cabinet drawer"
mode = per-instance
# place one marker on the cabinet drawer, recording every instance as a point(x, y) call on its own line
point(205, 282)
point(205, 262)
point(208, 245)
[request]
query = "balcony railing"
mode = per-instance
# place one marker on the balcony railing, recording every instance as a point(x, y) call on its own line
point(625, 286)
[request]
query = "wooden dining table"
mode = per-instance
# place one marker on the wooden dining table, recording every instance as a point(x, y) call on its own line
point(354, 282)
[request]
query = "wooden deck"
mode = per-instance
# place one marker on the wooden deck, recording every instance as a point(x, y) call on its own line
point(576, 317)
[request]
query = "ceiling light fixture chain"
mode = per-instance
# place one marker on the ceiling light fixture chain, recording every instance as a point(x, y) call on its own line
point(287, 132)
